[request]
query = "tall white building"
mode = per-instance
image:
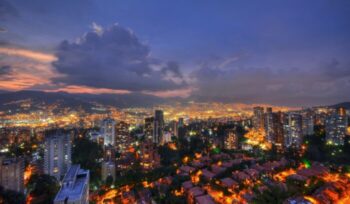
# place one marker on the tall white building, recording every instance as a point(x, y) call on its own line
point(57, 155)
point(336, 125)
point(75, 187)
point(293, 134)
point(108, 131)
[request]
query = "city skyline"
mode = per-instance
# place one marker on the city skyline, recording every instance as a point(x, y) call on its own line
point(291, 53)
point(174, 102)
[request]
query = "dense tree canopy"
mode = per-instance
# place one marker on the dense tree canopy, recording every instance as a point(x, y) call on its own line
point(87, 153)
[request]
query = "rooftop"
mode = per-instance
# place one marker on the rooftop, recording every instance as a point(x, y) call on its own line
point(73, 184)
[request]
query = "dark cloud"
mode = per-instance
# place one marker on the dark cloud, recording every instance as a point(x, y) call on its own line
point(335, 69)
point(7, 10)
point(114, 58)
point(266, 85)
point(2, 30)
point(172, 72)
point(5, 72)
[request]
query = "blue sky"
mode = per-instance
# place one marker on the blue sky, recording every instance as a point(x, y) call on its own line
point(279, 52)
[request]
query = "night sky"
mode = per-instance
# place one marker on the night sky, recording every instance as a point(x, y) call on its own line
point(293, 52)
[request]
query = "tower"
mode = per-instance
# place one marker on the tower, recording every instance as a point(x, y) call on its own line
point(158, 127)
point(57, 155)
point(108, 131)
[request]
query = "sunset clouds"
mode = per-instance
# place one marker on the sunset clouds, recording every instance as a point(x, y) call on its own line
point(278, 52)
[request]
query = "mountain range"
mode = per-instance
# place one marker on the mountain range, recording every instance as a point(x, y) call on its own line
point(12, 100)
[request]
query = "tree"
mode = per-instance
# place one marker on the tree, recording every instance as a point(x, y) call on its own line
point(196, 144)
point(43, 185)
point(9, 196)
point(87, 153)
point(274, 195)
point(168, 156)
point(109, 180)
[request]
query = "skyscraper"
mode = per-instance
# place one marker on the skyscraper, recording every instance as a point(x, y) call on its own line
point(269, 126)
point(336, 124)
point(123, 139)
point(158, 127)
point(278, 133)
point(11, 173)
point(181, 122)
point(108, 131)
point(308, 123)
point(57, 155)
point(75, 187)
point(175, 128)
point(258, 117)
point(293, 134)
point(149, 128)
point(181, 130)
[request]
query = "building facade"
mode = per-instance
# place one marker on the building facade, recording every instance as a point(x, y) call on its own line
point(258, 118)
point(149, 157)
point(108, 170)
point(231, 140)
point(158, 130)
point(308, 123)
point(123, 139)
point(12, 174)
point(57, 154)
point(149, 128)
point(336, 125)
point(108, 131)
point(75, 187)
point(293, 134)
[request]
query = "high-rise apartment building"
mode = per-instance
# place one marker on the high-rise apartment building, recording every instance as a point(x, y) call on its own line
point(269, 125)
point(57, 154)
point(336, 125)
point(12, 173)
point(293, 134)
point(258, 118)
point(175, 128)
point(149, 128)
point(308, 123)
point(108, 131)
point(278, 133)
point(158, 127)
point(123, 139)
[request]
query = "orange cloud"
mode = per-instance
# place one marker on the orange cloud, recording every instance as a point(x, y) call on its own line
point(20, 81)
point(183, 93)
point(89, 90)
point(30, 54)
point(28, 69)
